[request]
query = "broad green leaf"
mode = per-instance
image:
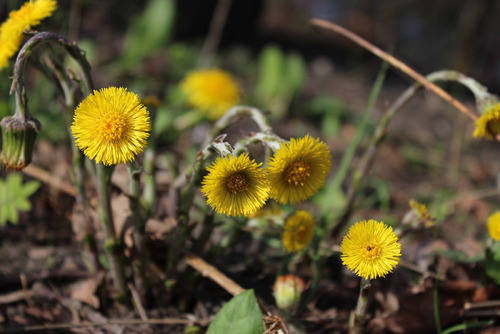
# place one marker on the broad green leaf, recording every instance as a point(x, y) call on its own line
point(240, 315)
point(14, 197)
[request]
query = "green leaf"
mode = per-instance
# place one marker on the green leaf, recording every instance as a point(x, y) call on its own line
point(271, 68)
point(295, 73)
point(150, 31)
point(240, 315)
point(14, 197)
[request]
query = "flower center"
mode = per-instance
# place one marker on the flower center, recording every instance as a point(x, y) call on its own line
point(297, 173)
point(370, 251)
point(111, 125)
point(237, 183)
point(300, 234)
point(494, 127)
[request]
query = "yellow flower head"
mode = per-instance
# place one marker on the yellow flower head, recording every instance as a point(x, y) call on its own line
point(370, 249)
point(11, 31)
point(488, 125)
point(212, 91)
point(299, 231)
point(235, 186)
point(494, 225)
point(421, 212)
point(111, 125)
point(298, 169)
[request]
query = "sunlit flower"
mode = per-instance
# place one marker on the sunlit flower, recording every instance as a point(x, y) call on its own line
point(287, 291)
point(298, 169)
point(299, 231)
point(111, 125)
point(11, 31)
point(494, 225)
point(370, 249)
point(235, 186)
point(488, 124)
point(421, 212)
point(212, 91)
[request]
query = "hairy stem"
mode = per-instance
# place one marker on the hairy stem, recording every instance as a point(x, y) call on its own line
point(113, 245)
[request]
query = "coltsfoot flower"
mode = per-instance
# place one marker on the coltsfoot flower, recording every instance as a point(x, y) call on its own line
point(212, 91)
point(494, 225)
point(11, 31)
point(421, 212)
point(235, 186)
point(298, 169)
point(287, 291)
point(111, 125)
point(299, 231)
point(18, 141)
point(370, 249)
point(488, 124)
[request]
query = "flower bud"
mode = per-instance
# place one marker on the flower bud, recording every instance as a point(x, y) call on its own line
point(287, 291)
point(18, 141)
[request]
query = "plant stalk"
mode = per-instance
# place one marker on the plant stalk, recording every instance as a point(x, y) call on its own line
point(113, 246)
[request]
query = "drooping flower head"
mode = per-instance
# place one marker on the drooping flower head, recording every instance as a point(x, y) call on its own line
point(298, 169)
point(11, 31)
point(211, 91)
point(111, 125)
point(488, 124)
point(370, 249)
point(235, 186)
point(299, 231)
point(494, 225)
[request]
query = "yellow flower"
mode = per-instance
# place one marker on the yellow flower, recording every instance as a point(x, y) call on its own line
point(370, 249)
point(422, 212)
point(298, 169)
point(235, 186)
point(494, 225)
point(212, 91)
point(11, 31)
point(111, 126)
point(299, 231)
point(488, 125)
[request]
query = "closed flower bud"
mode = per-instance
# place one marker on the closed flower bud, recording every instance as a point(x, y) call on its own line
point(18, 141)
point(287, 291)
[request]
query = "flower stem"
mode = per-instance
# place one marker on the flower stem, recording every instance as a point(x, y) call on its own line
point(140, 263)
point(113, 246)
point(368, 157)
point(26, 51)
point(357, 325)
